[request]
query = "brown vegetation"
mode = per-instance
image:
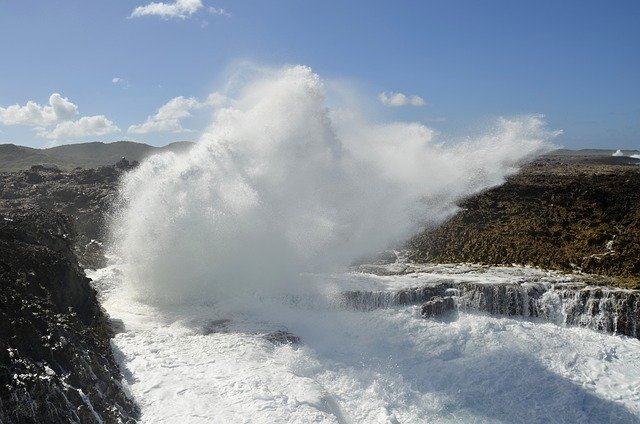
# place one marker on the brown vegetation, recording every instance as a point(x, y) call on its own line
point(561, 212)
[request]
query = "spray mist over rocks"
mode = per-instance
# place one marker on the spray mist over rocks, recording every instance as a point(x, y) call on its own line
point(279, 185)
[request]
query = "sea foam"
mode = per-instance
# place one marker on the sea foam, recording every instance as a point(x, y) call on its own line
point(280, 184)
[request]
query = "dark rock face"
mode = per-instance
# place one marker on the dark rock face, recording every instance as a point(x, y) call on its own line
point(603, 309)
point(611, 311)
point(504, 299)
point(558, 213)
point(216, 326)
point(56, 363)
point(438, 306)
point(280, 337)
point(86, 195)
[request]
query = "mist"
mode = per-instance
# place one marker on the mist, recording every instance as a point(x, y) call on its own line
point(279, 184)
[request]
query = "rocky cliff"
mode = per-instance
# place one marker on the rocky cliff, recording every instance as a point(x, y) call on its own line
point(567, 213)
point(56, 363)
point(573, 302)
point(85, 195)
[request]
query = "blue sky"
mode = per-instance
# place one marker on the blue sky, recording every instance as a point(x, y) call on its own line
point(459, 64)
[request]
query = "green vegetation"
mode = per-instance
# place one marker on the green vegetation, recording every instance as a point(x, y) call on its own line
point(84, 155)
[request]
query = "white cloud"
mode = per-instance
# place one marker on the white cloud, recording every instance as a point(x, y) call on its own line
point(219, 11)
point(117, 80)
point(57, 119)
point(180, 9)
point(59, 109)
point(399, 99)
point(168, 116)
point(83, 127)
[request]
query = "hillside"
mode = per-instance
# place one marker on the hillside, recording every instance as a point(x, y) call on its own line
point(567, 212)
point(84, 155)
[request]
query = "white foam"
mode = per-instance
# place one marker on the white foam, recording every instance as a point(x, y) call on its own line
point(280, 184)
point(384, 366)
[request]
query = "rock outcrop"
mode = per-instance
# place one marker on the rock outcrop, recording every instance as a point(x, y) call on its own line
point(438, 306)
point(563, 213)
point(603, 309)
point(56, 363)
point(85, 195)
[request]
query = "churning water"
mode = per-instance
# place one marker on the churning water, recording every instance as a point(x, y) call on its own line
point(222, 261)
point(222, 363)
point(280, 184)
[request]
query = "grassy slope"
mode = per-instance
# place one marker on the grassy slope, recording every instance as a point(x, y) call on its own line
point(85, 155)
point(15, 158)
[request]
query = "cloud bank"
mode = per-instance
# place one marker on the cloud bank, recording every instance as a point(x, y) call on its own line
point(83, 127)
point(59, 109)
point(56, 120)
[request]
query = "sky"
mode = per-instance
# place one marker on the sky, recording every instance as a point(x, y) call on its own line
point(107, 70)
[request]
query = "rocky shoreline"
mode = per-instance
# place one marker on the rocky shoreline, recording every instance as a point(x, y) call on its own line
point(86, 196)
point(562, 300)
point(569, 213)
point(56, 362)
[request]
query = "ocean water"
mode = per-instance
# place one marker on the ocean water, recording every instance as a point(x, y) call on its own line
point(213, 362)
point(225, 250)
point(292, 177)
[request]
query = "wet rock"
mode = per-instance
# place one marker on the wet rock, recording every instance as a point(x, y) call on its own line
point(282, 337)
point(87, 195)
point(605, 309)
point(438, 306)
point(216, 326)
point(56, 363)
point(125, 165)
point(369, 300)
point(116, 325)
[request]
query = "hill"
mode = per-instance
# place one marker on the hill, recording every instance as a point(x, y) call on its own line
point(567, 212)
point(84, 155)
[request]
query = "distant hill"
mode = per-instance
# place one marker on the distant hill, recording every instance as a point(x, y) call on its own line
point(591, 152)
point(95, 154)
point(595, 156)
point(85, 155)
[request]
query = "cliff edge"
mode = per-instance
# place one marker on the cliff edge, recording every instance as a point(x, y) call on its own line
point(56, 363)
point(564, 212)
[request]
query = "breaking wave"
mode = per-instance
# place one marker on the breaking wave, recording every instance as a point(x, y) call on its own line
point(280, 184)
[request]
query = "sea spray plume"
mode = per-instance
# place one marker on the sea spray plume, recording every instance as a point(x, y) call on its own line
point(275, 188)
